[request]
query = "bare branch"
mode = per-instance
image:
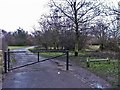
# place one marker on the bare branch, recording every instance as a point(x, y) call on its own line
point(63, 11)
point(81, 5)
point(83, 14)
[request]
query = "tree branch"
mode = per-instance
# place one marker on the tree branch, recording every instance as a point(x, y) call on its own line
point(63, 11)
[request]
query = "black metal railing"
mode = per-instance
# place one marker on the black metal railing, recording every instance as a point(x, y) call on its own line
point(8, 52)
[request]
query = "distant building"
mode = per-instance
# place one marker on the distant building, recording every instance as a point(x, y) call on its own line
point(92, 41)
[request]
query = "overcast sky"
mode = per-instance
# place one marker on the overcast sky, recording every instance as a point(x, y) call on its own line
point(22, 13)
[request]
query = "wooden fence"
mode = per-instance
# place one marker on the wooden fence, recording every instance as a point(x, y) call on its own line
point(89, 60)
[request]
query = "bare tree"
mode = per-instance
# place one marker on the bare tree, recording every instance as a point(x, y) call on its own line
point(79, 12)
point(114, 11)
point(50, 28)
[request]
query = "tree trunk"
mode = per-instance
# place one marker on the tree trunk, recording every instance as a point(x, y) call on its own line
point(76, 47)
point(101, 47)
point(76, 31)
point(76, 41)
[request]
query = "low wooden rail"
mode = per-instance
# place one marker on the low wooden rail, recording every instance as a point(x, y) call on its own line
point(89, 60)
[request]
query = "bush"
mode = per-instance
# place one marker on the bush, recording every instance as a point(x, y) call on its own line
point(110, 45)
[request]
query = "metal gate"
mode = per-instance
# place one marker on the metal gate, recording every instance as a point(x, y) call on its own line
point(10, 56)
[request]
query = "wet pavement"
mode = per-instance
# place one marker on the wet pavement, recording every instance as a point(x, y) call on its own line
point(50, 74)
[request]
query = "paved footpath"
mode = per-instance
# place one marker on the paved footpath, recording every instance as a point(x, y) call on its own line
point(50, 74)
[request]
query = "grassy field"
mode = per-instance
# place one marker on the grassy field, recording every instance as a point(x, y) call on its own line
point(109, 69)
point(16, 47)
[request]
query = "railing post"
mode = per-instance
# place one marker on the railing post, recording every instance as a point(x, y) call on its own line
point(38, 57)
point(8, 59)
point(5, 62)
point(67, 60)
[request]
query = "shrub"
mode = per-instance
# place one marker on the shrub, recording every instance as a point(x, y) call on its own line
point(110, 45)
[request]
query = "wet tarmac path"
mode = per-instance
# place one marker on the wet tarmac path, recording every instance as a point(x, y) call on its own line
point(48, 74)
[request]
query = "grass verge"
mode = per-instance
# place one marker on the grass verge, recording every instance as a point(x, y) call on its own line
point(47, 54)
point(16, 47)
point(50, 54)
point(109, 72)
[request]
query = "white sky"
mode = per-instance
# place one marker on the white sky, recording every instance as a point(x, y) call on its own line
point(22, 13)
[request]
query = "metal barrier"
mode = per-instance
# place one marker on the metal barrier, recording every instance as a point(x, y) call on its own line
point(8, 52)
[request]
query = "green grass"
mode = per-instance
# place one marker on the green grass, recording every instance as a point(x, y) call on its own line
point(107, 71)
point(16, 47)
point(51, 54)
point(48, 54)
point(102, 69)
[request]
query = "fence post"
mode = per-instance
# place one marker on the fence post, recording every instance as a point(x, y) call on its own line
point(8, 59)
point(88, 63)
point(38, 57)
point(5, 62)
point(67, 61)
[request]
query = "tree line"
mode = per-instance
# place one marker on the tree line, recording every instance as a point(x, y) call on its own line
point(73, 25)
point(20, 37)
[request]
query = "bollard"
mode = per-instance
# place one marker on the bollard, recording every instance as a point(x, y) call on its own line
point(38, 57)
point(5, 62)
point(67, 61)
point(8, 59)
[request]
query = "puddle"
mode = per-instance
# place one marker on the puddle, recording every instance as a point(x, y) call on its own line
point(20, 75)
point(17, 82)
point(97, 85)
point(58, 73)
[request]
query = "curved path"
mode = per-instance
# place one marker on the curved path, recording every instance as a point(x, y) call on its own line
point(50, 74)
